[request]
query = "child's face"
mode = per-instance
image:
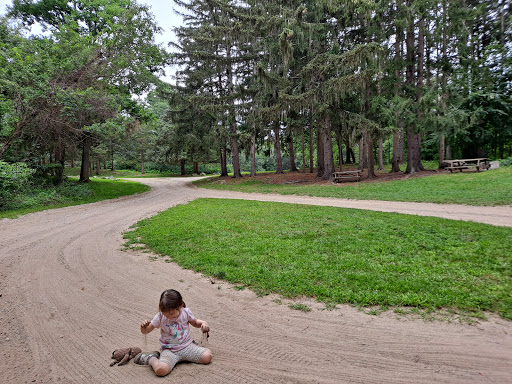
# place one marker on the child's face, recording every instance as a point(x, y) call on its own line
point(172, 313)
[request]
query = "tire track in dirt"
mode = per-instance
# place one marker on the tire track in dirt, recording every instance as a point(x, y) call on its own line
point(70, 295)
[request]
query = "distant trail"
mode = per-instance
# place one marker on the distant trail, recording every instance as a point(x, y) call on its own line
point(500, 216)
point(70, 295)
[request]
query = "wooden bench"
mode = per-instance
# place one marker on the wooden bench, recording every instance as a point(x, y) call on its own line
point(459, 167)
point(346, 176)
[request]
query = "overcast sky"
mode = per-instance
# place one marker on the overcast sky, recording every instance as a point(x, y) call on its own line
point(162, 9)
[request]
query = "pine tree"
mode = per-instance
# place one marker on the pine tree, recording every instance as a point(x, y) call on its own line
point(214, 50)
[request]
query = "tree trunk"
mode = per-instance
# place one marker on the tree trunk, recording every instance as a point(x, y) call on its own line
point(395, 163)
point(182, 166)
point(196, 167)
point(381, 154)
point(291, 151)
point(401, 144)
point(347, 146)
point(363, 162)
point(329, 167)
point(277, 147)
point(303, 152)
point(223, 161)
point(441, 150)
point(419, 82)
point(371, 160)
point(413, 138)
point(444, 84)
point(253, 153)
point(235, 154)
point(319, 150)
point(311, 147)
point(414, 152)
point(86, 159)
point(398, 136)
point(98, 166)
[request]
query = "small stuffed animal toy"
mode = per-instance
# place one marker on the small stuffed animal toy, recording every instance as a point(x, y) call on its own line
point(123, 355)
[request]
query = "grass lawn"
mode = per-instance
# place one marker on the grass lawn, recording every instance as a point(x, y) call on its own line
point(339, 255)
point(96, 190)
point(474, 188)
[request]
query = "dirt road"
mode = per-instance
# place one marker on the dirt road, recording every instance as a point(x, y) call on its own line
point(69, 295)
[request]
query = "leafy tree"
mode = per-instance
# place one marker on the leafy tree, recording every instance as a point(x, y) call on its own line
point(99, 53)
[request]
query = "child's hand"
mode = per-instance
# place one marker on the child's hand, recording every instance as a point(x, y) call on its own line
point(205, 327)
point(144, 326)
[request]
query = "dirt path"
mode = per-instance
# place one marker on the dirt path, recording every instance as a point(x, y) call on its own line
point(69, 295)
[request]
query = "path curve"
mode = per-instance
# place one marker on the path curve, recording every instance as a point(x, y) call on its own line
point(69, 295)
point(500, 216)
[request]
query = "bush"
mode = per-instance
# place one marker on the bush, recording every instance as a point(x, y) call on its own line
point(14, 179)
point(506, 162)
point(45, 193)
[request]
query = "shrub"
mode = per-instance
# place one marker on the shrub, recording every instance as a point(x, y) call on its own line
point(506, 162)
point(14, 179)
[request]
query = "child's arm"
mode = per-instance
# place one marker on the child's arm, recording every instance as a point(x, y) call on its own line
point(146, 327)
point(200, 324)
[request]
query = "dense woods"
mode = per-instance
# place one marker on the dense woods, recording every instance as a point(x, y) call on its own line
point(278, 85)
point(429, 78)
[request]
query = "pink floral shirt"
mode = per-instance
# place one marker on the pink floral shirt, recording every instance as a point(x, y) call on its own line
point(174, 334)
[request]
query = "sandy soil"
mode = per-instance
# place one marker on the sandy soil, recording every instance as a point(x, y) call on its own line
point(69, 296)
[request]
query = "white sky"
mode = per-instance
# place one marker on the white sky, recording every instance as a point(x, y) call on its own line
point(164, 14)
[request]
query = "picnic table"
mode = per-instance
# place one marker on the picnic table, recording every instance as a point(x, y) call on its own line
point(461, 164)
point(346, 176)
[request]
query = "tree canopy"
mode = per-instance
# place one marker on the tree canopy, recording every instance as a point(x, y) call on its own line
point(65, 89)
point(431, 78)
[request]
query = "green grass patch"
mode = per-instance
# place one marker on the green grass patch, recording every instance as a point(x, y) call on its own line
point(339, 255)
point(473, 188)
point(71, 193)
point(299, 307)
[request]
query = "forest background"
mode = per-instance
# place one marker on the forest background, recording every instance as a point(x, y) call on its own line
point(257, 86)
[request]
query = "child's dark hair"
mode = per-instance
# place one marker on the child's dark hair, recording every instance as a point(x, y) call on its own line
point(170, 299)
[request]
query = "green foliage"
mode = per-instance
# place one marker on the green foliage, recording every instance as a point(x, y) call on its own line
point(338, 255)
point(249, 71)
point(72, 89)
point(492, 187)
point(14, 179)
